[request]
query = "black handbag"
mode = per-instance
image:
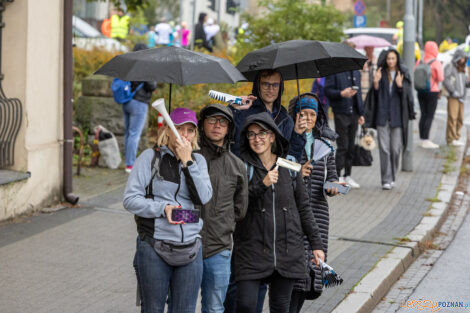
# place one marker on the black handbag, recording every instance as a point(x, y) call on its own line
point(361, 157)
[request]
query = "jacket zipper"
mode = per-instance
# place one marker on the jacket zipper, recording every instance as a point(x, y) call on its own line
point(285, 227)
point(274, 220)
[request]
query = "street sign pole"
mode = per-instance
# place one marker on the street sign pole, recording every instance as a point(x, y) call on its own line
point(409, 36)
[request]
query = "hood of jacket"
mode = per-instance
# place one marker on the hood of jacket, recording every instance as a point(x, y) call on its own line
point(431, 50)
point(382, 62)
point(255, 92)
point(282, 145)
point(458, 54)
point(206, 142)
point(321, 128)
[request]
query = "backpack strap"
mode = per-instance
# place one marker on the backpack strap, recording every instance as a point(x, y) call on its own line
point(430, 62)
point(137, 89)
point(155, 172)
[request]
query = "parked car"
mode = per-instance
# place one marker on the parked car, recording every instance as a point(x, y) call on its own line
point(87, 37)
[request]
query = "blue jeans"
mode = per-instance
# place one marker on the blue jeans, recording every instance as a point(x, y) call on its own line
point(156, 279)
point(135, 114)
point(215, 279)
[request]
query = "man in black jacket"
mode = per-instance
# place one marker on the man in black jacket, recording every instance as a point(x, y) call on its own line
point(344, 93)
point(228, 205)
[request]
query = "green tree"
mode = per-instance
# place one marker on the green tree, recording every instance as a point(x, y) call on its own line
point(283, 20)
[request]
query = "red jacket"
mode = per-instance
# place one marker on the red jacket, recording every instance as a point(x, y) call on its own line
point(437, 74)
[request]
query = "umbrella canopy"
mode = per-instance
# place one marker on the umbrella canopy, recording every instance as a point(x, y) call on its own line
point(363, 41)
point(172, 65)
point(297, 59)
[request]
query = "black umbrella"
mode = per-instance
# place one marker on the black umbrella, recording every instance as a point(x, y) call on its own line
point(297, 59)
point(171, 65)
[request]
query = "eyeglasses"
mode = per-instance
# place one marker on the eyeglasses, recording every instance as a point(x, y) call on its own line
point(261, 135)
point(222, 121)
point(266, 85)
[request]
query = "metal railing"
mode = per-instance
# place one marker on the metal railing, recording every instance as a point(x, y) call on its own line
point(11, 113)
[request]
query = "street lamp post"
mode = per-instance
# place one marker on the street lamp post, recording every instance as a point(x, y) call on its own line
point(409, 37)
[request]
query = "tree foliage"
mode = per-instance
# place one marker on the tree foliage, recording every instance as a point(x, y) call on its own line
point(282, 20)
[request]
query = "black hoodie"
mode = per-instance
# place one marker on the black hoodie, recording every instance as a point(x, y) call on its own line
point(270, 236)
point(279, 115)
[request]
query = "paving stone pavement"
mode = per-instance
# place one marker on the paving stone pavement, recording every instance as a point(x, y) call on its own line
point(80, 260)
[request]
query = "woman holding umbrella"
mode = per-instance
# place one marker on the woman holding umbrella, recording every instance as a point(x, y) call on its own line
point(268, 244)
point(389, 107)
point(168, 257)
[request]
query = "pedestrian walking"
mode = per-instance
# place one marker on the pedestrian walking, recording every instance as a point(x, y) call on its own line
point(228, 205)
point(168, 259)
point(200, 36)
point(119, 25)
point(389, 107)
point(318, 167)
point(428, 98)
point(268, 244)
point(367, 73)
point(455, 83)
point(344, 93)
point(266, 94)
point(164, 31)
point(184, 35)
point(135, 115)
point(152, 37)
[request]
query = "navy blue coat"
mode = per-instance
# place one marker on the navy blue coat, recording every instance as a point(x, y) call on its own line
point(282, 119)
point(334, 84)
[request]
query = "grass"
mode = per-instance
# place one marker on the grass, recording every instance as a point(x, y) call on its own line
point(402, 239)
point(451, 158)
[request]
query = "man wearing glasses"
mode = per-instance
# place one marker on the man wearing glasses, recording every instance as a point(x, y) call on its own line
point(227, 206)
point(268, 87)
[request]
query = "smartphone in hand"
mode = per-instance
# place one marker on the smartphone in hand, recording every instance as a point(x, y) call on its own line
point(355, 88)
point(185, 215)
point(341, 188)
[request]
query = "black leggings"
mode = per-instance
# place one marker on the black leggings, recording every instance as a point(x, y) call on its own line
point(280, 291)
point(427, 104)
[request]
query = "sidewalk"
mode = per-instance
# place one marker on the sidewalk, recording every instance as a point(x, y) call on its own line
point(80, 260)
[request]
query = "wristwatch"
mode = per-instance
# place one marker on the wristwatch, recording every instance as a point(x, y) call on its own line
point(189, 163)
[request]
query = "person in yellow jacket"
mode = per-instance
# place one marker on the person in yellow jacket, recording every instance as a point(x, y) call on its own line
point(119, 25)
point(447, 45)
point(417, 50)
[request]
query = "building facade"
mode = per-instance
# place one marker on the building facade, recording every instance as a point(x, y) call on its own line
point(32, 64)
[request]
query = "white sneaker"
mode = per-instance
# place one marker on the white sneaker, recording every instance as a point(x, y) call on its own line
point(457, 143)
point(428, 144)
point(392, 184)
point(386, 186)
point(341, 180)
point(351, 182)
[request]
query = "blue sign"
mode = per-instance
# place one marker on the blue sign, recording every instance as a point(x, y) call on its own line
point(360, 21)
point(359, 7)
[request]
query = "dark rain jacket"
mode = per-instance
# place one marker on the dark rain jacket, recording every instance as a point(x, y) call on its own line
point(144, 94)
point(334, 84)
point(270, 237)
point(282, 119)
point(406, 102)
point(230, 189)
point(324, 169)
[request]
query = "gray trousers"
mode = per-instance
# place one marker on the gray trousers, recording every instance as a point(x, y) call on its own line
point(390, 146)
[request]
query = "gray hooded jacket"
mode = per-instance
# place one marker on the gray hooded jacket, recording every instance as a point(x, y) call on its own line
point(454, 81)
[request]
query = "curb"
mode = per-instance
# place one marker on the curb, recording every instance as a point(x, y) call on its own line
point(376, 283)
